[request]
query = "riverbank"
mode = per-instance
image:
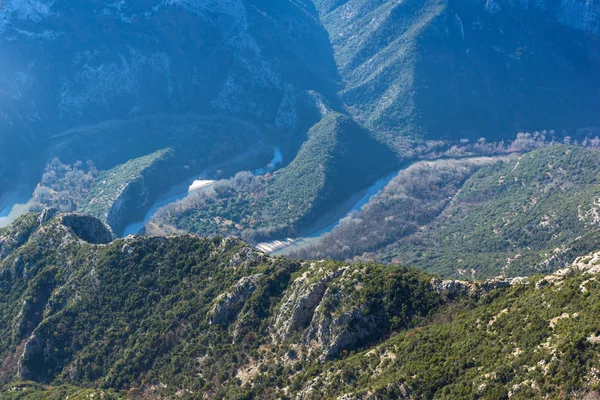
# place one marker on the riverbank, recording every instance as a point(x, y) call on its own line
point(329, 221)
point(201, 183)
point(312, 235)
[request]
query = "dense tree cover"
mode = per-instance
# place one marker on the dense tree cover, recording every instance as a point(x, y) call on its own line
point(412, 199)
point(139, 318)
point(338, 159)
point(64, 186)
point(512, 219)
point(139, 313)
point(534, 340)
point(135, 160)
point(36, 391)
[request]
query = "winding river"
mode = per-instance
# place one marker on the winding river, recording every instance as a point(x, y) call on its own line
point(329, 222)
point(354, 203)
point(183, 190)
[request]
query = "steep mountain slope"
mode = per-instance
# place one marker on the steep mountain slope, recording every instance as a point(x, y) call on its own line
point(185, 317)
point(338, 159)
point(126, 189)
point(421, 67)
point(116, 175)
point(110, 82)
point(188, 312)
point(68, 64)
point(453, 69)
point(517, 218)
point(536, 339)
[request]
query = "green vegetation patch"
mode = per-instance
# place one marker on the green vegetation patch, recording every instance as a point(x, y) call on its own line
point(529, 341)
point(512, 219)
point(338, 159)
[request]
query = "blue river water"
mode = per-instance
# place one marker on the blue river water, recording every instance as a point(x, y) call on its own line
point(14, 204)
point(285, 246)
point(180, 192)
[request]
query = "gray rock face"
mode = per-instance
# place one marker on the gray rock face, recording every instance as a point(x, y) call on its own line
point(316, 308)
point(35, 360)
point(138, 194)
point(47, 215)
point(452, 287)
point(228, 305)
point(89, 229)
point(297, 310)
point(245, 257)
point(334, 333)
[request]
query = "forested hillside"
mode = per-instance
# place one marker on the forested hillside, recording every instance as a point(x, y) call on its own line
point(466, 69)
point(185, 317)
point(417, 73)
point(338, 159)
point(437, 162)
point(69, 65)
point(412, 199)
point(518, 218)
point(477, 217)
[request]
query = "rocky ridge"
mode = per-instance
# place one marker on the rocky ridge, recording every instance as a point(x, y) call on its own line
point(185, 297)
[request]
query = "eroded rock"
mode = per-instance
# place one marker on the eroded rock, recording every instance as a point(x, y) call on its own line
point(452, 287)
point(298, 308)
point(36, 361)
point(228, 305)
point(47, 215)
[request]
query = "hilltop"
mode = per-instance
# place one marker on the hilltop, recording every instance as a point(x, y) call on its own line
point(188, 317)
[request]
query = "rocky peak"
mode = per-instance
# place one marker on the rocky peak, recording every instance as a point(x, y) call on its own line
point(47, 215)
point(228, 305)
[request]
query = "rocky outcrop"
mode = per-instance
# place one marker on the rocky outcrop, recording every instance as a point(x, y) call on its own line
point(451, 287)
point(87, 228)
point(305, 294)
point(454, 288)
point(136, 195)
point(36, 360)
point(46, 215)
point(321, 306)
point(245, 257)
point(333, 333)
point(31, 313)
point(228, 305)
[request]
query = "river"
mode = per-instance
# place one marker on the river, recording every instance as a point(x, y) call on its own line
point(190, 187)
point(354, 203)
point(14, 204)
point(325, 225)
